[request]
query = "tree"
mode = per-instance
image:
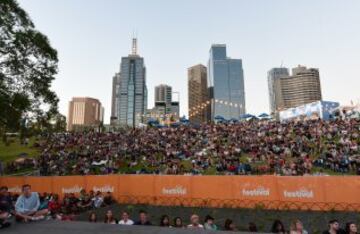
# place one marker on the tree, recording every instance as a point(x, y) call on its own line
point(28, 65)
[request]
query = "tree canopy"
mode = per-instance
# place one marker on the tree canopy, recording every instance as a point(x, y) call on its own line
point(28, 65)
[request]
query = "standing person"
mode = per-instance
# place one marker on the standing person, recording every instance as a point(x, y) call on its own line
point(194, 219)
point(27, 206)
point(178, 223)
point(143, 219)
point(334, 227)
point(351, 228)
point(125, 219)
point(297, 227)
point(109, 218)
point(209, 223)
point(165, 221)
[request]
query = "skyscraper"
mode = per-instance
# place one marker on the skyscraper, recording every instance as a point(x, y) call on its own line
point(274, 86)
point(226, 84)
point(285, 91)
point(84, 112)
point(163, 93)
point(129, 98)
point(198, 94)
point(164, 104)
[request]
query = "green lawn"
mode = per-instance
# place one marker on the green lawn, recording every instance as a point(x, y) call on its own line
point(12, 152)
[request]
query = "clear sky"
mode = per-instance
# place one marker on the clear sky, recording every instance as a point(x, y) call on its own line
point(91, 36)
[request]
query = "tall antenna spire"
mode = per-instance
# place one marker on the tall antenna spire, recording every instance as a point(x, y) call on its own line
point(134, 46)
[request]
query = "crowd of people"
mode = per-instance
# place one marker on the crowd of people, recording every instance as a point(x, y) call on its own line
point(251, 147)
point(29, 206)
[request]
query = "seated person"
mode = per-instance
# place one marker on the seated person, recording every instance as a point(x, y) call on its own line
point(3, 219)
point(143, 219)
point(27, 206)
point(194, 219)
point(54, 205)
point(84, 200)
point(6, 204)
point(125, 219)
point(108, 199)
point(98, 200)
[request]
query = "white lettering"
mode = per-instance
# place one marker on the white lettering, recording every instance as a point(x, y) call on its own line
point(75, 189)
point(260, 191)
point(302, 193)
point(178, 190)
point(16, 189)
point(104, 189)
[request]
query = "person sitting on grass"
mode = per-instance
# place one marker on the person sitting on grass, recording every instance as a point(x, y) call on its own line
point(27, 206)
point(195, 224)
point(98, 200)
point(92, 217)
point(6, 204)
point(209, 223)
point(125, 219)
point(165, 221)
point(143, 218)
point(3, 219)
point(109, 218)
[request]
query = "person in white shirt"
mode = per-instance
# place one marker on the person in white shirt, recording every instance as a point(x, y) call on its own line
point(98, 200)
point(194, 219)
point(125, 219)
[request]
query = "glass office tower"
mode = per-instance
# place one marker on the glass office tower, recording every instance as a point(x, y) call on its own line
point(129, 101)
point(226, 84)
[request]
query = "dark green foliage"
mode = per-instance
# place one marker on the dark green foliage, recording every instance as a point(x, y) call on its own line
point(28, 65)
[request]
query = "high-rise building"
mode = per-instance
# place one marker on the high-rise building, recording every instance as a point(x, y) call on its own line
point(198, 97)
point(226, 84)
point(84, 112)
point(163, 93)
point(165, 107)
point(274, 85)
point(129, 98)
point(285, 91)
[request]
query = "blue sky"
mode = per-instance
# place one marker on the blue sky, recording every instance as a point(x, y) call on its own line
point(92, 36)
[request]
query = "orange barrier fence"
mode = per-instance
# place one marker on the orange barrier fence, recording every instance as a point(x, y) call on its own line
point(269, 192)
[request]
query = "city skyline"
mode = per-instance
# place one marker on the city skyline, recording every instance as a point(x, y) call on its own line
point(263, 34)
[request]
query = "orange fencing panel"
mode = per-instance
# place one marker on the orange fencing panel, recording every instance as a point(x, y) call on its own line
point(136, 189)
point(68, 184)
point(40, 184)
point(103, 184)
point(271, 192)
point(172, 190)
point(301, 192)
point(13, 183)
point(340, 190)
point(214, 191)
point(249, 191)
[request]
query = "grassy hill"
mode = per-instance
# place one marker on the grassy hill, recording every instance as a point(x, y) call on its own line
point(12, 151)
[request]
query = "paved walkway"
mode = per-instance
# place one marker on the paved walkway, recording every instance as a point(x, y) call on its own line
point(59, 227)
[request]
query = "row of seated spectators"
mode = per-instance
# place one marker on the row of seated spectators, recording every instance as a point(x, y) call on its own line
point(29, 206)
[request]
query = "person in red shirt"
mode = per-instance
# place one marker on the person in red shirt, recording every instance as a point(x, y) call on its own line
point(54, 205)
